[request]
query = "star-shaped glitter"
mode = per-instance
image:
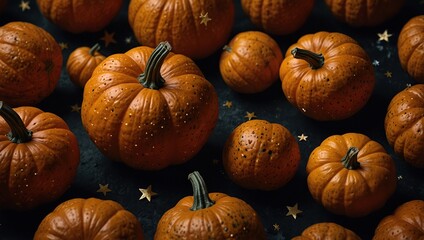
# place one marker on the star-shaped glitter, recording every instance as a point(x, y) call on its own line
point(228, 104)
point(375, 63)
point(250, 115)
point(63, 45)
point(128, 40)
point(408, 85)
point(24, 5)
point(384, 36)
point(108, 38)
point(147, 193)
point(104, 189)
point(388, 74)
point(302, 137)
point(400, 177)
point(293, 211)
point(276, 227)
point(75, 108)
point(204, 18)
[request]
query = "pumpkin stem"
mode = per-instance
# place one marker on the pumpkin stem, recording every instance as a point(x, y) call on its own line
point(151, 77)
point(350, 160)
point(200, 193)
point(94, 49)
point(315, 60)
point(19, 133)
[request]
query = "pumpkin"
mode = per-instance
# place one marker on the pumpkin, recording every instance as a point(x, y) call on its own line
point(261, 155)
point(250, 62)
point(209, 216)
point(404, 123)
point(81, 63)
point(90, 218)
point(328, 76)
point(39, 157)
point(149, 108)
point(407, 222)
point(327, 230)
point(196, 28)
point(279, 17)
point(351, 175)
point(78, 16)
point(31, 64)
point(364, 13)
point(410, 47)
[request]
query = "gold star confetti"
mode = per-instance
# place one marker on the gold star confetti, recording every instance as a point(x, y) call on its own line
point(293, 211)
point(204, 18)
point(388, 74)
point(276, 227)
point(108, 38)
point(128, 40)
point(75, 108)
point(228, 104)
point(250, 115)
point(24, 5)
point(408, 85)
point(384, 36)
point(375, 63)
point(400, 177)
point(104, 189)
point(147, 193)
point(63, 45)
point(302, 137)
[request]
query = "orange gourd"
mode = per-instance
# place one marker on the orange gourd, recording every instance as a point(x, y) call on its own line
point(39, 157)
point(351, 175)
point(196, 28)
point(207, 216)
point(89, 218)
point(261, 155)
point(149, 108)
point(31, 63)
point(410, 47)
point(327, 230)
point(404, 123)
point(250, 62)
point(327, 76)
point(78, 16)
point(82, 62)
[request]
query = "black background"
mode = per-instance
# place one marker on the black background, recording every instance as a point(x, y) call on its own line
point(171, 184)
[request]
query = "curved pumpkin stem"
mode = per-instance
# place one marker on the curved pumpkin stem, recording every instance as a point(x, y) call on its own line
point(94, 49)
point(315, 60)
point(151, 77)
point(350, 160)
point(200, 192)
point(19, 133)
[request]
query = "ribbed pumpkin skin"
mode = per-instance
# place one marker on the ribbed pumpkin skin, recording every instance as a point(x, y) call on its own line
point(179, 23)
point(404, 124)
point(364, 13)
point(87, 219)
point(411, 48)
point(31, 63)
point(77, 16)
point(327, 230)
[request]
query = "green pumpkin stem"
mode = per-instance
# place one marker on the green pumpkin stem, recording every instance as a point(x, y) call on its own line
point(151, 77)
point(350, 160)
point(315, 60)
point(19, 133)
point(200, 192)
point(94, 49)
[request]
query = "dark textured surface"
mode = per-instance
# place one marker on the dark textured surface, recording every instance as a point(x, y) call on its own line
point(171, 184)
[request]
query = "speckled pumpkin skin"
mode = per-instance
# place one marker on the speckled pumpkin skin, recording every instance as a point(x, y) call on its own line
point(338, 89)
point(250, 62)
point(261, 155)
point(327, 230)
point(404, 124)
point(411, 48)
point(31, 64)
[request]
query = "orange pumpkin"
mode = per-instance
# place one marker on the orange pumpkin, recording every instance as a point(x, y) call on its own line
point(90, 218)
point(261, 155)
point(82, 62)
point(410, 47)
point(39, 157)
point(250, 63)
point(404, 123)
point(407, 222)
point(351, 175)
point(207, 216)
point(195, 28)
point(280, 17)
point(149, 108)
point(327, 230)
point(364, 13)
point(31, 64)
point(77, 16)
point(327, 76)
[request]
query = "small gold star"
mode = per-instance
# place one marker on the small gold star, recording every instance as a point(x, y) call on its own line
point(63, 45)
point(250, 115)
point(24, 5)
point(228, 104)
point(302, 137)
point(147, 193)
point(108, 38)
point(204, 18)
point(293, 211)
point(408, 85)
point(388, 74)
point(276, 227)
point(75, 108)
point(384, 36)
point(104, 189)
point(400, 177)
